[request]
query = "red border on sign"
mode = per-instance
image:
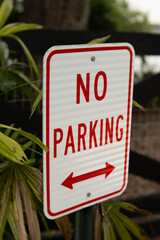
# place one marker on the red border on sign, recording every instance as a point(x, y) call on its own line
point(78, 50)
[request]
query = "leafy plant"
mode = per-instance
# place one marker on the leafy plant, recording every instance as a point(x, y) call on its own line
point(9, 30)
point(10, 76)
point(112, 224)
point(21, 184)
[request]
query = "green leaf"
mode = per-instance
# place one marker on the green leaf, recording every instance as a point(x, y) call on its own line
point(9, 155)
point(130, 225)
point(27, 145)
point(107, 205)
point(5, 204)
point(17, 78)
point(14, 135)
point(3, 166)
point(33, 176)
point(20, 217)
point(108, 229)
point(24, 85)
point(38, 99)
point(33, 151)
point(7, 141)
point(33, 187)
point(27, 53)
point(13, 28)
point(25, 79)
point(27, 135)
point(5, 10)
point(18, 150)
point(12, 224)
point(119, 227)
point(99, 40)
point(30, 161)
point(128, 207)
point(135, 104)
point(17, 155)
point(4, 53)
point(13, 146)
point(8, 131)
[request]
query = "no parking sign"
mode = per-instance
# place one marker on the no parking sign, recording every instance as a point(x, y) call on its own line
point(87, 103)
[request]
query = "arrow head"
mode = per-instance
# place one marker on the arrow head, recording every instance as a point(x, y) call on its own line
point(68, 182)
point(109, 169)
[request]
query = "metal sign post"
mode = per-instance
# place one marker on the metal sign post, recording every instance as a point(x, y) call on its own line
point(84, 224)
point(87, 103)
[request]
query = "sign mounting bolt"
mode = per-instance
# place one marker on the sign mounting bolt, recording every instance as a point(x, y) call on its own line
point(88, 194)
point(93, 58)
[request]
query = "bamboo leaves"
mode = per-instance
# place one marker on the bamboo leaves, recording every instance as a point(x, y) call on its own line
point(11, 149)
point(108, 230)
point(21, 186)
point(115, 223)
point(27, 135)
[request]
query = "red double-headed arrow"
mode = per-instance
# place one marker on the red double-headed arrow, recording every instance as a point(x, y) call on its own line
point(70, 180)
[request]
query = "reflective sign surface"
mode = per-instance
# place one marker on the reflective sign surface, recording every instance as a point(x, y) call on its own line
point(87, 103)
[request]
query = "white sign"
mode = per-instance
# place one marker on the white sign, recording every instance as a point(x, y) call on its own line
point(87, 103)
